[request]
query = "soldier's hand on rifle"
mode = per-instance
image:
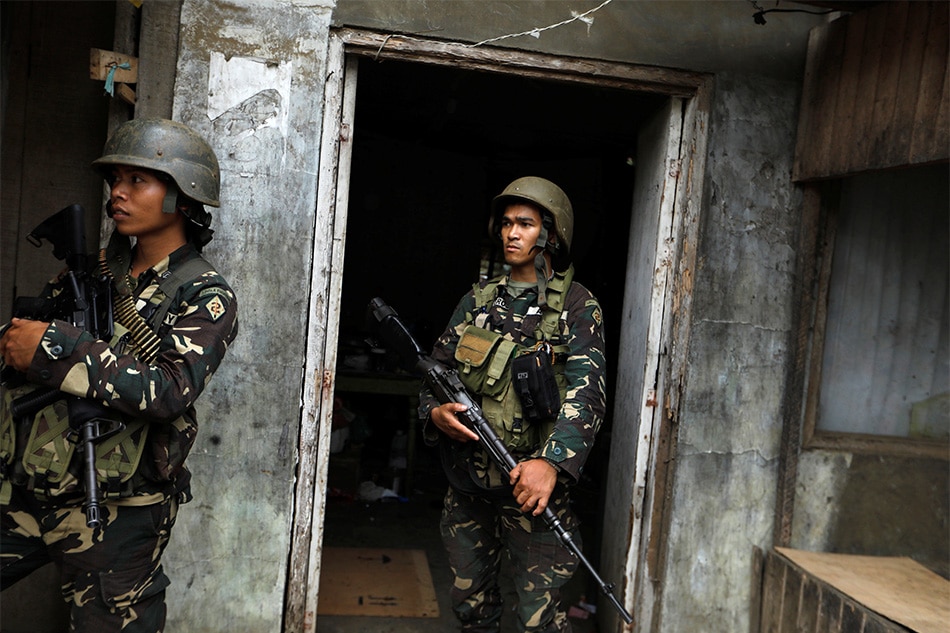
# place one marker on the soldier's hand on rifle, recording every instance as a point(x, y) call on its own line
point(20, 341)
point(533, 482)
point(445, 418)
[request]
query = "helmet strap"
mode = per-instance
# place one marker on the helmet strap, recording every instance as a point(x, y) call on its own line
point(540, 262)
point(169, 204)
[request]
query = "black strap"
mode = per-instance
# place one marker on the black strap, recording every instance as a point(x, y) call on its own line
point(169, 285)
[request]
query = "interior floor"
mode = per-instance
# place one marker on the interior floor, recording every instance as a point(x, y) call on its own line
point(412, 522)
point(432, 146)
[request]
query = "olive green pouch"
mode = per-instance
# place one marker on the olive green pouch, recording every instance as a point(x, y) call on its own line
point(484, 359)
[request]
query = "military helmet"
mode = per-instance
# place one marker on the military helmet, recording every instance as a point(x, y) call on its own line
point(543, 193)
point(168, 147)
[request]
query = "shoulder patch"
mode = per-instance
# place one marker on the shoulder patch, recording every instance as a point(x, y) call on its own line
point(596, 314)
point(215, 308)
point(214, 290)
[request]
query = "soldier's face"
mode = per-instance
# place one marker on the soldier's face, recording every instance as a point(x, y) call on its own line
point(136, 196)
point(520, 227)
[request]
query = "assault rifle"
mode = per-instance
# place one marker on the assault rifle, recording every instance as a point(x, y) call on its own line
point(447, 387)
point(86, 302)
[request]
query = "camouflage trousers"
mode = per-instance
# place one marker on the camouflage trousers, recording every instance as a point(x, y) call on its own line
point(476, 530)
point(111, 576)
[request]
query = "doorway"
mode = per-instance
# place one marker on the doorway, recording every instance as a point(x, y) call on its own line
point(427, 147)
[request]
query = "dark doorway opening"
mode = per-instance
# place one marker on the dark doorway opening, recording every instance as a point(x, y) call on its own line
point(432, 145)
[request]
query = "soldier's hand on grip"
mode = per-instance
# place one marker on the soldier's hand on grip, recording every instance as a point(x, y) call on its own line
point(445, 418)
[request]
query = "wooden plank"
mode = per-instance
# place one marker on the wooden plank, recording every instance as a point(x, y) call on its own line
point(808, 111)
point(661, 138)
point(791, 598)
point(101, 62)
point(156, 86)
point(896, 588)
point(928, 141)
point(852, 618)
point(773, 591)
point(301, 598)
point(124, 92)
point(793, 430)
point(526, 64)
point(885, 101)
point(859, 134)
point(829, 618)
point(908, 83)
point(811, 606)
point(849, 99)
point(824, 252)
point(828, 64)
point(875, 92)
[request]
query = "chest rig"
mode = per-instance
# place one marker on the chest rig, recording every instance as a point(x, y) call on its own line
point(485, 357)
point(39, 452)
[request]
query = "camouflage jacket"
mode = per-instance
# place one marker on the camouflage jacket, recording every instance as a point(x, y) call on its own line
point(579, 328)
point(158, 396)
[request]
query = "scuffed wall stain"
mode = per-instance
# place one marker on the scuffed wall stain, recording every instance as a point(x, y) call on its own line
point(821, 478)
point(234, 80)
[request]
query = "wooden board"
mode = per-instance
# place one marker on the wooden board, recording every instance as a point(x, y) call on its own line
point(875, 92)
point(898, 588)
point(392, 583)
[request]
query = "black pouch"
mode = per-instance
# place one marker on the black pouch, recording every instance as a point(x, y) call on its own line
point(532, 377)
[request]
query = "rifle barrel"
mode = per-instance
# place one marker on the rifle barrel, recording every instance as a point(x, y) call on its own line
point(448, 387)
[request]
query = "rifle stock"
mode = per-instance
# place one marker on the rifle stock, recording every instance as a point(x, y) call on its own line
point(447, 387)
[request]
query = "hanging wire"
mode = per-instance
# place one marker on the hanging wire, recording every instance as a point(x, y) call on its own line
point(536, 31)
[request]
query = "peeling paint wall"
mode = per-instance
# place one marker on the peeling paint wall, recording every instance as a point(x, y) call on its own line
point(250, 78)
point(730, 421)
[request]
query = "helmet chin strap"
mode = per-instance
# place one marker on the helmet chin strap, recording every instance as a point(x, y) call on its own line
point(540, 263)
point(171, 197)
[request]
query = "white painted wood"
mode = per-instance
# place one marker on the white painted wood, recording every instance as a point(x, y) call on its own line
point(340, 183)
point(667, 347)
point(314, 436)
point(648, 278)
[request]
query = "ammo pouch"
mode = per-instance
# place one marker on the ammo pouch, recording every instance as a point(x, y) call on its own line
point(485, 364)
point(47, 457)
point(533, 379)
point(484, 359)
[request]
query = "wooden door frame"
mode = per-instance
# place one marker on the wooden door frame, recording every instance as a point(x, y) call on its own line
point(345, 46)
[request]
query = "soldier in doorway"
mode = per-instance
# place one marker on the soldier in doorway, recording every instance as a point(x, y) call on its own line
point(536, 309)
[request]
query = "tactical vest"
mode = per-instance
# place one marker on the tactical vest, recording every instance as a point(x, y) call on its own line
point(47, 463)
point(484, 364)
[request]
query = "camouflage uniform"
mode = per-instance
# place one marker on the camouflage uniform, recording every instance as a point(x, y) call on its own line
point(112, 575)
point(480, 516)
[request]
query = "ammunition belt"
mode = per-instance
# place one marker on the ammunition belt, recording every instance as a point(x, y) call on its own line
point(144, 339)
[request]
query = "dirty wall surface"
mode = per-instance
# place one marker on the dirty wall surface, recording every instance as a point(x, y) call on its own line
point(250, 77)
point(730, 422)
point(231, 545)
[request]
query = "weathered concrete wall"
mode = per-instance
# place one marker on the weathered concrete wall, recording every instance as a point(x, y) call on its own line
point(730, 421)
point(250, 78)
point(699, 35)
point(873, 505)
